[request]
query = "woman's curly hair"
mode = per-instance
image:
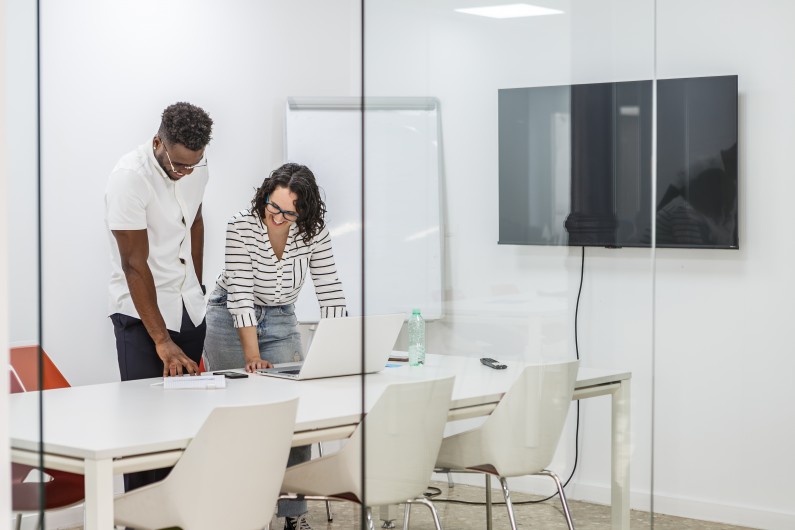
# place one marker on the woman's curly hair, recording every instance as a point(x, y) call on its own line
point(301, 181)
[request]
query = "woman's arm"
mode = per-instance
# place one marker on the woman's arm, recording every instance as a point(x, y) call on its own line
point(328, 287)
point(248, 340)
point(239, 274)
point(239, 279)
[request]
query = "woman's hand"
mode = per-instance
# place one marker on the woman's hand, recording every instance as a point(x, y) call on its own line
point(254, 364)
point(248, 340)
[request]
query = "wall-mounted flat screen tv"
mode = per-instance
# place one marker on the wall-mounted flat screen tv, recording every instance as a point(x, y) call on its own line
point(575, 164)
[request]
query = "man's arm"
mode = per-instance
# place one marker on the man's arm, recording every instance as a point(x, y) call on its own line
point(134, 251)
point(197, 244)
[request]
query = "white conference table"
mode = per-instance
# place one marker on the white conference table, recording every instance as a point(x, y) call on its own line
point(107, 429)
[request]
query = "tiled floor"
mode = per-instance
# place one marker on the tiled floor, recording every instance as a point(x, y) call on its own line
point(545, 516)
point(455, 516)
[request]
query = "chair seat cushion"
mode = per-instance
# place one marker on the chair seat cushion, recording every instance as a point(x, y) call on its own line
point(64, 489)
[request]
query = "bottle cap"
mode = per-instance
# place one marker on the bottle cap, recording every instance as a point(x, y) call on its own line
point(415, 311)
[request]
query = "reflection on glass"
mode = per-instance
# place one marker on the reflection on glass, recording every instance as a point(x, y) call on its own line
point(697, 162)
point(575, 164)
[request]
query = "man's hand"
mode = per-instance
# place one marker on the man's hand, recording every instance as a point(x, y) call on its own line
point(174, 359)
point(254, 364)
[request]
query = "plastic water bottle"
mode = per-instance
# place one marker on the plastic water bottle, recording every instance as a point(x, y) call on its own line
point(416, 339)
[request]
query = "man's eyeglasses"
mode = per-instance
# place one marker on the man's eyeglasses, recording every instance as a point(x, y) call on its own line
point(275, 210)
point(182, 168)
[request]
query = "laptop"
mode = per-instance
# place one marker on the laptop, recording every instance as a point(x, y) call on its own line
point(336, 348)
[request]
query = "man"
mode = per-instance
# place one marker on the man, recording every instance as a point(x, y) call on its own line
point(153, 211)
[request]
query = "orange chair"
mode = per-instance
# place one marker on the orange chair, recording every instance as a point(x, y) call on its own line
point(61, 489)
point(25, 361)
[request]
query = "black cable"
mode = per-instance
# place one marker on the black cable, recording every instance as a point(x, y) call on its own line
point(432, 491)
point(577, 430)
point(577, 308)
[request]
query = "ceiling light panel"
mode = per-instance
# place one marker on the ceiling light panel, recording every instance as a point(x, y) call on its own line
point(510, 11)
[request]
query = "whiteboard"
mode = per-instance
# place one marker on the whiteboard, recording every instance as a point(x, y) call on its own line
point(395, 263)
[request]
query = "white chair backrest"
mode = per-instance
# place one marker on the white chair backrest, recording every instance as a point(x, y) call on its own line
point(403, 432)
point(521, 435)
point(230, 474)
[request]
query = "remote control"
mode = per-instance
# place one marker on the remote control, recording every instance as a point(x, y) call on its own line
point(491, 363)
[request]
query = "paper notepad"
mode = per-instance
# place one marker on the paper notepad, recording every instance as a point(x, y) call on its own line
point(208, 381)
point(399, 356)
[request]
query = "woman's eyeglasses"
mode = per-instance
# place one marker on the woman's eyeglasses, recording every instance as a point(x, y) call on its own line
point(275, 210)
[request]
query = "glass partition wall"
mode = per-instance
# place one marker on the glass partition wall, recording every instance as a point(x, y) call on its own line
point(689, 305)
point(502, 157)
point(542, 147)
point(21, 165)
point(722, 344)
point(108, 72)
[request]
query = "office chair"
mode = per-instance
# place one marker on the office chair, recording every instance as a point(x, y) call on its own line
point(329, 514)
point(218, 483)
point(25, 360)
point(61, 489)
point(520, 437)
point(399, 438)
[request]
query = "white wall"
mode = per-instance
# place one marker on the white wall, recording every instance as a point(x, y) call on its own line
point(22, 166)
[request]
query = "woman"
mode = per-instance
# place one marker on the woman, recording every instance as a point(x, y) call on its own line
point(270, 248)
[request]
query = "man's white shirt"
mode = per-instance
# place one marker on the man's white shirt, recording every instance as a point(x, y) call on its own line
point(139, 196)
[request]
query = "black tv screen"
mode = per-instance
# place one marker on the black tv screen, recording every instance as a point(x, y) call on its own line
point(575, 164)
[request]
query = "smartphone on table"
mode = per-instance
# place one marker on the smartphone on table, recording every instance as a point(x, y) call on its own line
point(231, 375)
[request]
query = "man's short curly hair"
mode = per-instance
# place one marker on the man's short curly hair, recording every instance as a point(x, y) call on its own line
point(301, 181)
point(186, 124)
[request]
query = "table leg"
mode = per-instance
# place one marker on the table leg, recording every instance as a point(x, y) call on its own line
point(99, 494)
point(620, 456)
point(488, 501)
point(388, 514)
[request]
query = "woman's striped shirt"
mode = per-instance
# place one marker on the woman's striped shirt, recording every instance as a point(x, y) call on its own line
point(254, 276)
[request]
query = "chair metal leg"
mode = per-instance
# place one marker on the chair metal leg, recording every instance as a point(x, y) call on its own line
point(508, 504)
point(329, 515)
point(432, 508)
point(369, 515)
point(488, 501)
point(562, 496)
point(406, 516)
